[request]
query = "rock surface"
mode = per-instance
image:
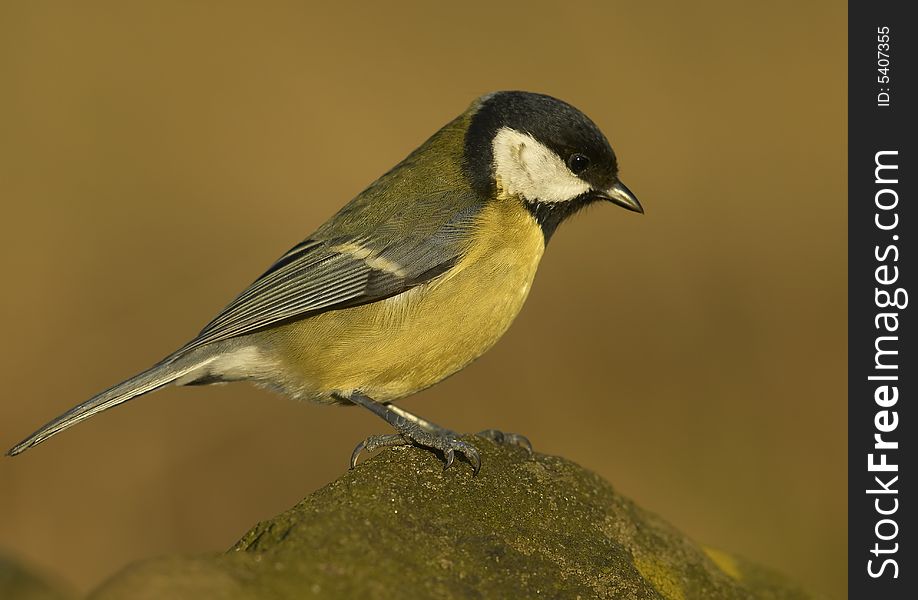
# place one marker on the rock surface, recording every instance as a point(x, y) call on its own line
point(21, 583)
point(399, 527)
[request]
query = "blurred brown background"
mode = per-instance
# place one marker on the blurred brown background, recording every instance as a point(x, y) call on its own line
point(155, 158)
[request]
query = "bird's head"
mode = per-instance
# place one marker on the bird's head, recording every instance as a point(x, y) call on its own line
point(543, 151)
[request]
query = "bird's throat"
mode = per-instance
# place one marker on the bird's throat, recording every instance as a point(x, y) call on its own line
point(550, 214)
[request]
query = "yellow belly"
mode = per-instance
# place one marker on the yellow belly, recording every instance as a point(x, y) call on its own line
point(398, 346)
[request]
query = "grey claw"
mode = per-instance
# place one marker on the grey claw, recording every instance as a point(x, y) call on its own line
point(474, 459)
point(356, 453)
point(375, 442)
point(412, 430)
point(471, 455)
point(522, 441)
point(514, 439)
point(495, 435)
point(448, 445)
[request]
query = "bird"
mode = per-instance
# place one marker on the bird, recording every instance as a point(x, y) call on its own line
point(413, 279)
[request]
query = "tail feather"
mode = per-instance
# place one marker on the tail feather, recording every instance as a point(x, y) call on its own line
point(164, 373)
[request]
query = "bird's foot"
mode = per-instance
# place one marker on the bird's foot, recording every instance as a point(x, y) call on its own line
point(443, 441)
point(415, 431)
point(507, 439)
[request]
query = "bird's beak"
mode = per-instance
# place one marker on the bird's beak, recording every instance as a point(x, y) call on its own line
point(621, 195)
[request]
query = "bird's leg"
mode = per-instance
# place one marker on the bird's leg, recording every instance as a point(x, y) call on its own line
point(495, 435)
point(412, 430)
point(420, 421)
point(415, 430)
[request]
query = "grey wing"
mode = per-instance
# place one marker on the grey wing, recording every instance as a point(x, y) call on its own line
point(328, 271)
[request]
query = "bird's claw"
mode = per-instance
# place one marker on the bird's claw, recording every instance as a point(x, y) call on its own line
point(449, 456)
point(375, 442)
point(447, 443)
point(509, 439)
point(468, 451)
point(356, 453)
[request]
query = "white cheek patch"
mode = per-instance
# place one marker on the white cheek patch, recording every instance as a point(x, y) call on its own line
point(525, 167)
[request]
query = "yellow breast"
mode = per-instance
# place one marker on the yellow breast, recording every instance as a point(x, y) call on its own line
point(398, 346)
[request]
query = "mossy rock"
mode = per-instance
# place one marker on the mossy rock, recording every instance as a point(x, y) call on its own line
point(21, 583)
point(400, 527)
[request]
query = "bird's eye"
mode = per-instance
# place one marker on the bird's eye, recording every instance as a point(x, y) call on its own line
point(578, 163)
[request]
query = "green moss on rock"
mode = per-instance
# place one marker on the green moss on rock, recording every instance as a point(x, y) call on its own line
point(397, 526)
point(21, 583)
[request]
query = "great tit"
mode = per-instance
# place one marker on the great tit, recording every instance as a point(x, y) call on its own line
point(410, 281)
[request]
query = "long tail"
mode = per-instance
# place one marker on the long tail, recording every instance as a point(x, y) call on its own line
point(162, 374)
